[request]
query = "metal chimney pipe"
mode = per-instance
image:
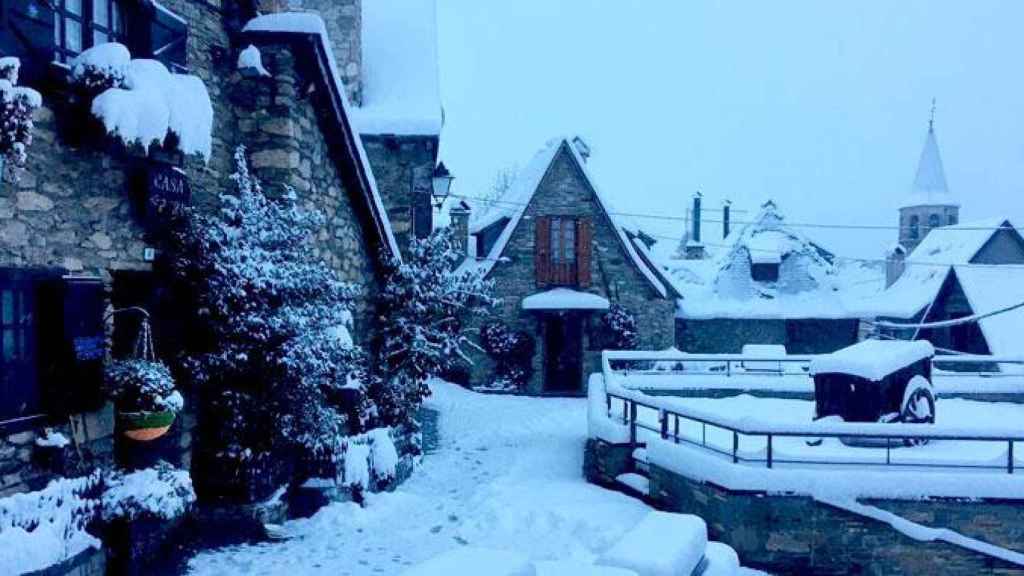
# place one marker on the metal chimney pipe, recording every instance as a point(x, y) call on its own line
point(696, 217)
point(725, 218)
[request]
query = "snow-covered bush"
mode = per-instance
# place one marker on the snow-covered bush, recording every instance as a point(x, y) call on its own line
point(142, 386)
point(141, 102)
point(371, 459)
point(161, 492)
point(620, 325)
point(512, 352)
point(101, 67)
point(277, 356)
point(46, 527)
point(423, 306)
point(17, 104)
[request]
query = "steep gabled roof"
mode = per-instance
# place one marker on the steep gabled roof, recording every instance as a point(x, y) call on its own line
point(515, 202)
point(930, 188)
point(927, 267)
point(348, 153)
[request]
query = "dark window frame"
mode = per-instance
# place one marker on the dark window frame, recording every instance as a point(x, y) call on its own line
point(563, 240)
point(88, 26)
point(18, 329)
point(915, 227)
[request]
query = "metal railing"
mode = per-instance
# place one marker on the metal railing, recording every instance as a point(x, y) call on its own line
point(891, 435)
point(730, 365)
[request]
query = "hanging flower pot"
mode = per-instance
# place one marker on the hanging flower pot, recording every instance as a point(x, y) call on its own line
point(145, 426)
point(143, 391)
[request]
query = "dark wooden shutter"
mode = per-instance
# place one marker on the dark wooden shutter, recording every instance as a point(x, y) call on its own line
point(26, 31)
point(542, 251)
point(167, 39)
point(583, 248)
point(72, 344)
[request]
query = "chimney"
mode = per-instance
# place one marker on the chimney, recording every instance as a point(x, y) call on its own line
point(459, 216)
point(726, 218)
point(895, 264)
point(694, 247)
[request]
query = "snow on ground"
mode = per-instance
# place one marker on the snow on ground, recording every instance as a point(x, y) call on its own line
point(507, 476)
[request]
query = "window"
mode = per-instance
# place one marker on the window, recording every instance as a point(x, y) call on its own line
point(951, 220)
point(82, 24)
point(934, 221)
point(563, 240)
point(764, 272)
point(914, 230)
point(18, 390)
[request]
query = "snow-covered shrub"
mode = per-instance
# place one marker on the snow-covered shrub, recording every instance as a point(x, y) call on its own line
point(43, 528)
point(141, 102)
point(423, 305)
point(17, 104)
point(277, 355)
point(161, 492)
point(142, 386)
point(370, 459)
point(101, 67)
point(620, 325)
point(512, 352)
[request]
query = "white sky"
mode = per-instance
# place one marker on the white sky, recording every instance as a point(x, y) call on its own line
point(821, 106)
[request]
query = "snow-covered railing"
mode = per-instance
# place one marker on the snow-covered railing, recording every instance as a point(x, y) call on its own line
point(675, 363)
point(662, 415)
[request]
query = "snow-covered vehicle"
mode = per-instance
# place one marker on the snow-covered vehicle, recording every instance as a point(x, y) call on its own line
point(876, 381)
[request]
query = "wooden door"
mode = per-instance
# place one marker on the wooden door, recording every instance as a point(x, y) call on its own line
point(563, 353)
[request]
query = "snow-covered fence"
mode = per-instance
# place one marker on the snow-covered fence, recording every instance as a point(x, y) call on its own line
point(665, 418)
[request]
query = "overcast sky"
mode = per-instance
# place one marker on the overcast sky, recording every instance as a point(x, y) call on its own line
point(821, 106)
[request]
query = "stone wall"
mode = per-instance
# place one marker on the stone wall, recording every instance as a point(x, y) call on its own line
point(564, 191)
point(287, 147)
point(404, 168)
point(727, 336)
point(343, 19)
point(797, 535)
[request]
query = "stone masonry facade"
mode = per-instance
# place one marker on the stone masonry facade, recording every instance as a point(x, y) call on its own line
point(564, 191)
point(403, 167)
point(72, 208)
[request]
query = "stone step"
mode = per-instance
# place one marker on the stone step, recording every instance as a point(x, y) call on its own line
point(635, 482)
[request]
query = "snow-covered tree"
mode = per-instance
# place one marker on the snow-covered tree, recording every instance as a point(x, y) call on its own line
point(621, 328)
point(17, 104)
point(423, 307)
point(278, 358)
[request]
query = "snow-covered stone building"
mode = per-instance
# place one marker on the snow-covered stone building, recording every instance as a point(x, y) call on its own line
point(769, 284)
point(560, 259)
point(325, 105)
point(973, 268)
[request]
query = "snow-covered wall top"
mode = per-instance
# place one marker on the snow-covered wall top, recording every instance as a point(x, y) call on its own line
point(401, 86)
point(809, 285)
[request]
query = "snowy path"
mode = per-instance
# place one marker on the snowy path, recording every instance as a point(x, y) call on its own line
point(507, 475)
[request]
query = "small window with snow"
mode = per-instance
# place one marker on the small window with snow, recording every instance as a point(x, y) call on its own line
point(915, 228)
point(764, 272)
point(934, 221)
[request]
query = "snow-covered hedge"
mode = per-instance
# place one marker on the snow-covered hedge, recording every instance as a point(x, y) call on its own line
point(161, 492)
point(43, 528)
point(370, 457)
point(512, 352)
point(143, 103)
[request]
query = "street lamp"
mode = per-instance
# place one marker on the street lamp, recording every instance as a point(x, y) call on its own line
point(442, 184)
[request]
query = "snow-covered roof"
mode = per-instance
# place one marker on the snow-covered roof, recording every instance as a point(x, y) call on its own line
point(873, 359)
point(515, 202)
point(810, 284)
point(565, 299)
point(989, 289)
point(313, 25)
point(401, 87)
point(929, 187)
point(927, 267)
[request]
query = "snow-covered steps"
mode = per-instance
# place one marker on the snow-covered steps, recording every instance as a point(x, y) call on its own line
point(662, 544)
point(635, 482)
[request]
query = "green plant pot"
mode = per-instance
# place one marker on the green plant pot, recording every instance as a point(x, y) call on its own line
point(145, 426)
